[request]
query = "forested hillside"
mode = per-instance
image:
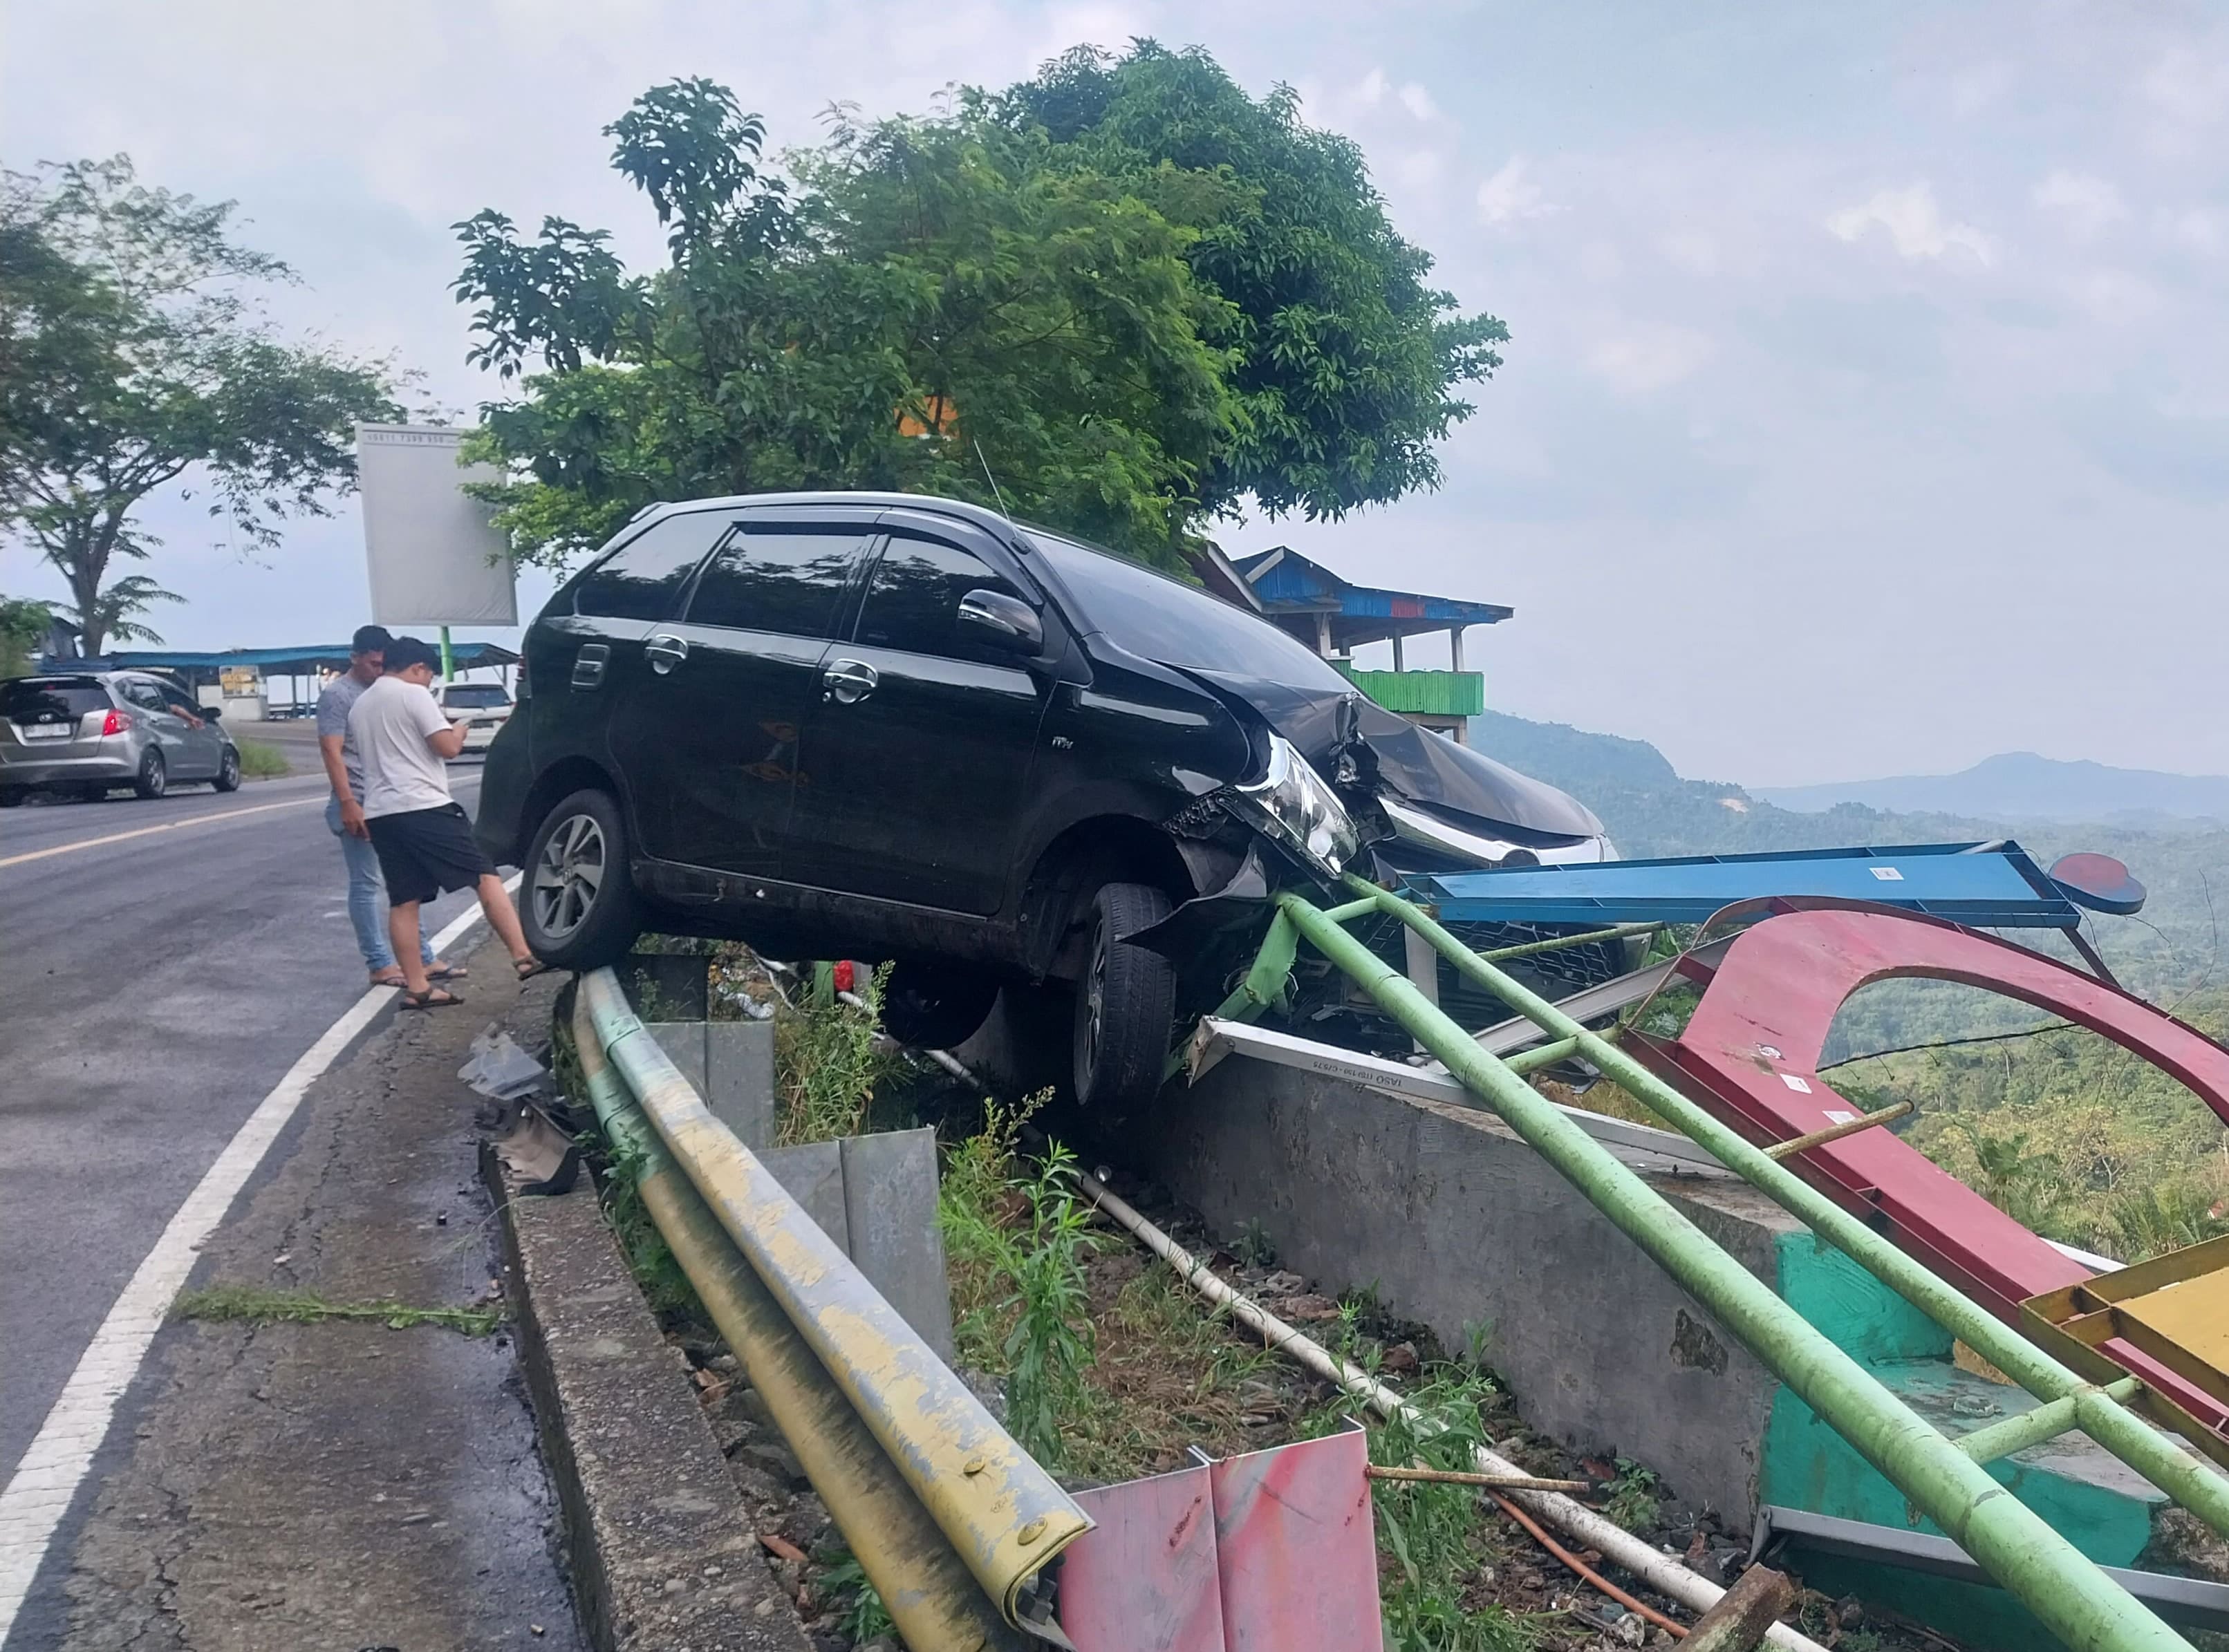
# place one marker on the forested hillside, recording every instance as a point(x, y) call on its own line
point(2085, 1143)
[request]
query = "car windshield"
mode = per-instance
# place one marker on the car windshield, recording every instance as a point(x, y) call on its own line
point(1176, 623)
point(30, 699)
point(475, 694)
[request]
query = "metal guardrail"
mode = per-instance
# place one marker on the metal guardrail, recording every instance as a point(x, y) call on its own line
point(2086, 1609)
point(950, 1519)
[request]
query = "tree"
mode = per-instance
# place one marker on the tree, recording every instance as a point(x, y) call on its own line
point(22, 632)
point(1348, 361)
point(131, 353)
point(928, 305)
point(1129, 292)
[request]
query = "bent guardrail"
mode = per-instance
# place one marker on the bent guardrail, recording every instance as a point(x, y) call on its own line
point(949, 1518)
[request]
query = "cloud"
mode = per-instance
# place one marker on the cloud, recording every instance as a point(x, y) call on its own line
point(2197, 229)
point(2084, 203)
point(1510, 196)
point(1915, 223)
point(1418, 102)
point(2187, 87)
point(1641, 360)
point(1975, 89)
point(1370, 91)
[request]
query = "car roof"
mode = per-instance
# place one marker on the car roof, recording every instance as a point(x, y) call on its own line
point(976, 514)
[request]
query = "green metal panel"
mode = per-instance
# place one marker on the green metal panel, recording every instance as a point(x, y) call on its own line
point(1440, 693)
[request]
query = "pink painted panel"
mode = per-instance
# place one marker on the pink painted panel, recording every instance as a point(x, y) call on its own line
point(1297, 1549)
point(1144, 1578)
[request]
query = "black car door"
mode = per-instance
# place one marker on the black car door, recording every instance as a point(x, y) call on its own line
point(918, 744)
point(710, 733)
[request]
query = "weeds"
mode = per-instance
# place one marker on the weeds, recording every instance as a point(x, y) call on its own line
point(259, 1305)
point(2145, 1221)
point(826, 1067)
point(1631, 1498)
point(861, 1615)
point(261, 760)
point(656, 1269)
point(1253, 1244)
point(1050, 1341)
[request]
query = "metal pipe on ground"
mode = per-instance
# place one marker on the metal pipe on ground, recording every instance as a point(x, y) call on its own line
point(1659, 1570)
point(931, 1596)
point(2066, 1592)
point(2197, 1485)
point(1002, 1512)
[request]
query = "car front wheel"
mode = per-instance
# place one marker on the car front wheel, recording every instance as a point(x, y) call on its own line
point(577, 902)
point(1125, 1004)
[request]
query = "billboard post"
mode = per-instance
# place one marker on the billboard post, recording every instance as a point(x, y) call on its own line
point(432, 556)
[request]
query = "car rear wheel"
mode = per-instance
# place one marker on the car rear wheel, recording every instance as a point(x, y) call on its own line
point(933, 1008)
point(578, 903)
point(227, 773)
point(1125, 1004)
point(153, 779)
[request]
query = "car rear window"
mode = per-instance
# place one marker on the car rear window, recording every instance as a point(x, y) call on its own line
point(475, 694)
point(31, 700)
point(643, 578)
point(1163, 619)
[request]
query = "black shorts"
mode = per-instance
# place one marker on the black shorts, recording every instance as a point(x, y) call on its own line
point(426, 851)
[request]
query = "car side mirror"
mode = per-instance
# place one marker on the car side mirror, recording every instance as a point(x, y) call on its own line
point(1002, 621)
point(212, 712)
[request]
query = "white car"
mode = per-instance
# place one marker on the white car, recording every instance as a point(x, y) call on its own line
point(486, 706)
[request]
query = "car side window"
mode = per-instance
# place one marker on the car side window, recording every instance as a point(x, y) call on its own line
point(788, 579)
point(145, 695)
point(643, 579)
point(175, 701)
point(913, 601)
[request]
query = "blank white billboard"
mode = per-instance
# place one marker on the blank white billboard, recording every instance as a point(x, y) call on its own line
point(432, 557)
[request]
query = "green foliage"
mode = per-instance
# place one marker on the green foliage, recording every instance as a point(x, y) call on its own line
point(1633, 1495)
point(826, 1067)
point(131, 353)
point(656, 1269)
point(1050, 1341)
point(1346, 362)
point(1254, 1245)
point(860, 1614)
point(1436, 1534)
point(1126, 289)
point(261, 760)
point(260, 1305)
point(22, 632)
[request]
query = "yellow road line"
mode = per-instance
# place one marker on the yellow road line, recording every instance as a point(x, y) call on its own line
point(167, 826)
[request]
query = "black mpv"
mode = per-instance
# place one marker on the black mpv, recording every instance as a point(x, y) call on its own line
point(886, 726)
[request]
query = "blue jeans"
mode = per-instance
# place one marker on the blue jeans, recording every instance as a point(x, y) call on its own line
point(364, 890)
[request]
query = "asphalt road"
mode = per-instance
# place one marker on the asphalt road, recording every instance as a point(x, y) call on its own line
point(157, 982)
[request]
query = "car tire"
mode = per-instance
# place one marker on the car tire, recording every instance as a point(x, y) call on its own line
point(577, 901)
point(153, 779)
point(227, 773)
point(935, 1007)
point(1125, 1004)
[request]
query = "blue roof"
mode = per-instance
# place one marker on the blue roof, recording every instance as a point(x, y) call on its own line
point(302, 658)
point(1288, 583)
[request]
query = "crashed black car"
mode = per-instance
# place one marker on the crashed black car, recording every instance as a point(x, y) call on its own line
point(893, 728)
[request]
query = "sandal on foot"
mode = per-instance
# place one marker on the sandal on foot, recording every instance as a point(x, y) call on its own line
point(431, 998)
point(382, 979)
point(527, 969)
point(447, 972)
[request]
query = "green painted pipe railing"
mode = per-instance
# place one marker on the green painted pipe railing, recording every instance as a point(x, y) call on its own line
point(2069, 1594)
point(2195, 1484)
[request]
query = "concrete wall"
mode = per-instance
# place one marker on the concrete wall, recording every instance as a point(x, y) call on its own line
point(1458, 1223)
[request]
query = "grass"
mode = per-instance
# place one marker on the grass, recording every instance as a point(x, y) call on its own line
point(826, 1067)
point(261, 760)
point(259, 1305)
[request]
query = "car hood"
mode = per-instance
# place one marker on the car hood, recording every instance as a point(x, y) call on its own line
point(1413, 763)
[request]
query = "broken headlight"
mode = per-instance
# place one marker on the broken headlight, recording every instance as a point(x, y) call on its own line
point(1293, 805)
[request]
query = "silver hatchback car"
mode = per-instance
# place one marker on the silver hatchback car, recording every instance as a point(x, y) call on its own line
point(86, 734)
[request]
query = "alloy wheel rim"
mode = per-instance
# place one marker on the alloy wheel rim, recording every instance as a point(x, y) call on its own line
point(568, 876)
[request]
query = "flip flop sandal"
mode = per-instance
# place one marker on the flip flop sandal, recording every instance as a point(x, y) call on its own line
point(447, 972)
point(527, 970)
point(398, 979)
point(434, 998)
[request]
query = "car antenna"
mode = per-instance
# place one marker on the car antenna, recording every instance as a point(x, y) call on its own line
point(993, 481)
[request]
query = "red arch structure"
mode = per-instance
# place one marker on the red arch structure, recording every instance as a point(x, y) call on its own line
point(1750, 1054)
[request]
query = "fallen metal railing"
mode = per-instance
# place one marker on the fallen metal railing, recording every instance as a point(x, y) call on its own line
point(950, 1520)
point(2070, 1594)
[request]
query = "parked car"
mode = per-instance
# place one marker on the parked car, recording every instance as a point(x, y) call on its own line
point(486, 707)
point(887, 727)
point(86, 735)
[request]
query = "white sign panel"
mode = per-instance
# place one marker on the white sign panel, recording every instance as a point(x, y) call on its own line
point(434, 559)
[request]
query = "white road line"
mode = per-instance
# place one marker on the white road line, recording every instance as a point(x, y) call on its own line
point(167, 826)
point(46, 1481)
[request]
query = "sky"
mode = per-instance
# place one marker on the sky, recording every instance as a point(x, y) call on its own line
point(1867, 409)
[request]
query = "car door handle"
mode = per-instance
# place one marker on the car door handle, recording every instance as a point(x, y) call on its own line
point(665, 650)
point(588, 665)
point(848, 681)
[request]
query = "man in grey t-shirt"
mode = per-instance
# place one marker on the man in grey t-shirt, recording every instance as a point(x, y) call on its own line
point(344, 811)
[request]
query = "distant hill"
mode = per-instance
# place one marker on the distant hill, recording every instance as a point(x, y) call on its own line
point(2020, 785)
